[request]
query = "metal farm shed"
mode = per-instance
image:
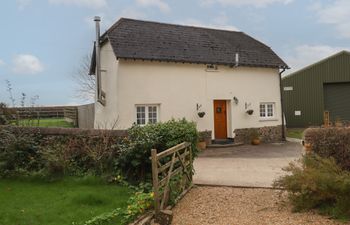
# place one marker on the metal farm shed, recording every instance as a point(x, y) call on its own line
point(323, 86)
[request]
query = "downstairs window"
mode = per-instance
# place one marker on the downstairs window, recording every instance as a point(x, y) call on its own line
point(146, 114)
point(267, 110)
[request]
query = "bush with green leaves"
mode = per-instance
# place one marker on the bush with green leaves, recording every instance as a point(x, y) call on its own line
point(28, 152)
point(79, 155)
point(5, 114)
point(19, 153)
point(317, 183)
point(135, 150)
point(331, 142)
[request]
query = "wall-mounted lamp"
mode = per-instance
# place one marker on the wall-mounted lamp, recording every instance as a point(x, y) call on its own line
point(235, 99)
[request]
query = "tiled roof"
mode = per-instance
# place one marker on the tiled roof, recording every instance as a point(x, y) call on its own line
point(136, 39)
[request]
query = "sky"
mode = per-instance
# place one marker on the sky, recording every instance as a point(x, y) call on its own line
point(43, 42)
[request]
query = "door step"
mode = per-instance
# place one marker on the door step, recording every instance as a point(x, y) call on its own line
point(223, 143)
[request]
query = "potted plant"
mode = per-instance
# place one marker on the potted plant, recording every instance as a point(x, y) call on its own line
point(338, 122)
point(307, 146)
point(201, 114)
point(202, 144)
point(254, 137)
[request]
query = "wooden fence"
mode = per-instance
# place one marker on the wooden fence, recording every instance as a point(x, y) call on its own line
point(71, 115)
point(38, 112)
point(166, 165)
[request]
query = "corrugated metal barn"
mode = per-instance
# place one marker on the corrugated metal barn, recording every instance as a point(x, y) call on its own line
point(323, 86)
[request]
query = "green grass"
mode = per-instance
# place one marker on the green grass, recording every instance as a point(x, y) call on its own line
point(295, 132)
point(47, 122)
point(69, 201)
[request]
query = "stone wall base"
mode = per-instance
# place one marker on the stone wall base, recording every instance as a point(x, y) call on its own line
point(267, 134)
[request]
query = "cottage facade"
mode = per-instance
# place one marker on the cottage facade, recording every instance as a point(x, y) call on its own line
point(224, 81)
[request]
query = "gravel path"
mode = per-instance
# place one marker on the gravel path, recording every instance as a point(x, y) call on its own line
point(239, 206)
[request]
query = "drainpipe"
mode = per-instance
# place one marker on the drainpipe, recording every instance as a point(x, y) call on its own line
point(282, 108)
point(97, 20)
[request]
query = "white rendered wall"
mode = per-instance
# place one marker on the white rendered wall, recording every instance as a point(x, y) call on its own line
point(177, 88)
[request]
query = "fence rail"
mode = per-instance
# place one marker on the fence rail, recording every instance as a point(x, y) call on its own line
point(166, 165)
point(39, 112)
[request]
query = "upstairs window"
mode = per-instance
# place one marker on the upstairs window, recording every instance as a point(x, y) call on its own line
point(146, 114)
point(267, 110)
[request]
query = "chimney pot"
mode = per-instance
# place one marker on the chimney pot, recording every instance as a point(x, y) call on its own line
point(97, 19)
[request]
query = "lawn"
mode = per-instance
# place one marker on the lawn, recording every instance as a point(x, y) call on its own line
point(69, 201)
point(295, 132)
point(47, 122)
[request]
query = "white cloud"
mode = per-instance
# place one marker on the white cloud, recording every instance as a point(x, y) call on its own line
point(27, 64)
point(2, 63)
point(336, 13)
point(22, 4)
point(84, 3)
point(164, 7)
point(305, 55)
point(219, 22)
point(255, 3)
point(133, 13)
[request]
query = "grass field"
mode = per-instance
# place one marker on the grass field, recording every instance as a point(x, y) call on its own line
point(295, 132)
point(47, 122)
point(66, 202)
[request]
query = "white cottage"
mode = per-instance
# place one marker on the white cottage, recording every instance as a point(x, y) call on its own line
point(225, 81)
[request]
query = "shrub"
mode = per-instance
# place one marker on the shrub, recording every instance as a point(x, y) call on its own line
point(19, 153)
point(5, 114)
point(331, 142)
point(79, 155)
point(29, 152)
point(135, 150)
point(317, 183)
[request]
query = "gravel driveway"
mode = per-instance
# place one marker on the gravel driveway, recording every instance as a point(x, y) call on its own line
point(247, 165)
point(239, 206)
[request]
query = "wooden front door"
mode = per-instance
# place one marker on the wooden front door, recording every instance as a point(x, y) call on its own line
point(220, 119)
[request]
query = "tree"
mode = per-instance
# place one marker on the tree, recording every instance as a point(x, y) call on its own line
point(85, 83)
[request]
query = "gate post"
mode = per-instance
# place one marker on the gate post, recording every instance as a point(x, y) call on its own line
point(155, 180)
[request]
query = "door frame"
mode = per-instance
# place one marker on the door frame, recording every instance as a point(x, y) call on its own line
point(225, 136)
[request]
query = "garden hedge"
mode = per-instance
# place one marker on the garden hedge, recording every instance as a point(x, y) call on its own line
point(78, 152)
point(57, 151)
point(330, 142)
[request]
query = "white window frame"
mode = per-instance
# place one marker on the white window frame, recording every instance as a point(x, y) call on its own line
point(267, 117)
point(146, 106)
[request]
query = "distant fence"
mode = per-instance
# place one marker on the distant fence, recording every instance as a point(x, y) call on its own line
point(39, 112)
point(81, 116)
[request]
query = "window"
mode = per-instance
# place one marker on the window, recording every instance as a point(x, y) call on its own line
point(146, 114)
point(267, 110)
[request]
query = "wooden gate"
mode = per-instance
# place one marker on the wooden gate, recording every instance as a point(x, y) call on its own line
point(167, 164)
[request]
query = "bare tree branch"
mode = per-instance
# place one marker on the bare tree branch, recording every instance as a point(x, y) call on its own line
point(85, 83)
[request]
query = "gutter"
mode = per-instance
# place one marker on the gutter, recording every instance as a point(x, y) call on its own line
point(282, 108)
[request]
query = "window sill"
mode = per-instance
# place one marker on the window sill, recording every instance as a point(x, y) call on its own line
point(268, 119)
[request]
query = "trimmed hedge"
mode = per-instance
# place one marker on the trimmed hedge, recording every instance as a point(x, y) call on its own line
point(57, 151)
point(79, 152)
point(330, 142)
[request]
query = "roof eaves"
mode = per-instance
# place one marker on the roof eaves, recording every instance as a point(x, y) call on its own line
point(202, 62)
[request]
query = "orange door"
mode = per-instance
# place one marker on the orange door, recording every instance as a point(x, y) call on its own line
point(220, 119)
